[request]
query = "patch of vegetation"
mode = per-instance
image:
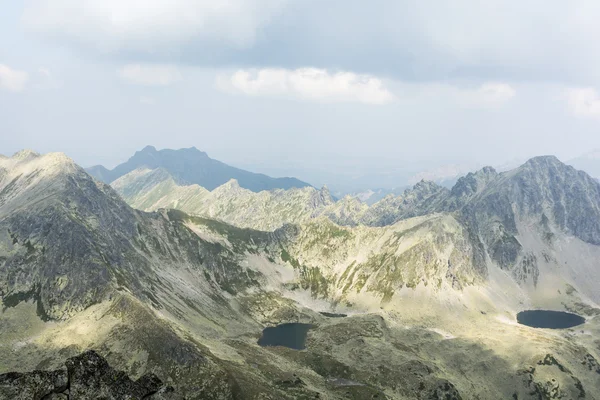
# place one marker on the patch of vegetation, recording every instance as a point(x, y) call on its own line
point(286, 257)
point(30, 247)
point(13, 236)
point(327, 235)
point(239, 237)
point(12, 300)
point(313, 279)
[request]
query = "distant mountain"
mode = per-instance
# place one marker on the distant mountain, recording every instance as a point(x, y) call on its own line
point(192, 166)
point(445, 175)
point(372, 196)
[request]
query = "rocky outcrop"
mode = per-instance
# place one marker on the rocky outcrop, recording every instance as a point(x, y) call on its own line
point(87, 376)
point(550, 379)
point(424, 198)
point(150, 190)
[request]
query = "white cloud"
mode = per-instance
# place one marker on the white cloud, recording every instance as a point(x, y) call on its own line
point(427, 40)
point(311, 84)
point(11, 79)
point(150, 75)
point(149, 24)
point(584, 101)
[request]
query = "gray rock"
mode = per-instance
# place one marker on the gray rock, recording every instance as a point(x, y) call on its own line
point(87, 376)
point(35, 385)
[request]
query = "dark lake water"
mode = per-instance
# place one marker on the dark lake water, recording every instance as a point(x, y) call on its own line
point(549, 319)
point(332, 315)
point(292, 335)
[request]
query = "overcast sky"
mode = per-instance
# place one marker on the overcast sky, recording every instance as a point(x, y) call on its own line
point(312, 88)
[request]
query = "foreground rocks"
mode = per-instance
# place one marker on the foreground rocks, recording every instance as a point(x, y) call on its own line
point(87, 376)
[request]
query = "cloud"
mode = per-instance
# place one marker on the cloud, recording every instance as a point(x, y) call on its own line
point(11, 79)
point(584, 101)
point(112, 25)
point(150, 75)
point(309, 84)
point(424, 40)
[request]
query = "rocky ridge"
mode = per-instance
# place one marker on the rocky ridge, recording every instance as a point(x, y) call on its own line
point(86, 376)
point(151, 190)
point(185, 297)
point(495, 212)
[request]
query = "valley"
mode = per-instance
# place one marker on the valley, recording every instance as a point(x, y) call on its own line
point(413, 297)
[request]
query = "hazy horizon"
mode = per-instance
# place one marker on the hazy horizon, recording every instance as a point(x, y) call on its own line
point(397, 179)
point(310, 89)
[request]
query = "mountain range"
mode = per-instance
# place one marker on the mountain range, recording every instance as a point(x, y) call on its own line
point(412, 297)
point(192, 166)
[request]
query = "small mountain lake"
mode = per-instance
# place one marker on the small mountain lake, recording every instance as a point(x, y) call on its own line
point(332, 315)
point(291, 335)
point(549, 319)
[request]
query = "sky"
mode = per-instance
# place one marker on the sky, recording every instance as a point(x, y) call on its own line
point(359, 93)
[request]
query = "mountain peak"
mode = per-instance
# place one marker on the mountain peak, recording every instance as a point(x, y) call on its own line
point(543, 161)
point(424, 187)
point(149, 149)
point(231, 184)
point(192, 166)
point(25, 154)
point(474, 182)
point(487, 170)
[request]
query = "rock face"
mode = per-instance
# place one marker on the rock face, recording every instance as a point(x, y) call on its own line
point(489, 216)
point(151, 190)
point(428, 282)
point(192, 166)
point(69, 243)
point(87, 376)
point(54, 219)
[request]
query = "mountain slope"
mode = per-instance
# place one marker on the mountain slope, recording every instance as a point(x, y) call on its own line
point(150, 190)
point(544, 202)
point(72, 246)
point(191, 166)
point(430, 307)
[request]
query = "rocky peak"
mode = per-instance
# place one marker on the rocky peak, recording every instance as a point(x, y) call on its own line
point(543, 162)
point(86, 376)
point(25, 154)
point(425, 188)
point(474, 182)
point(324, 196)
point(148, 149)
point(231, 185)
